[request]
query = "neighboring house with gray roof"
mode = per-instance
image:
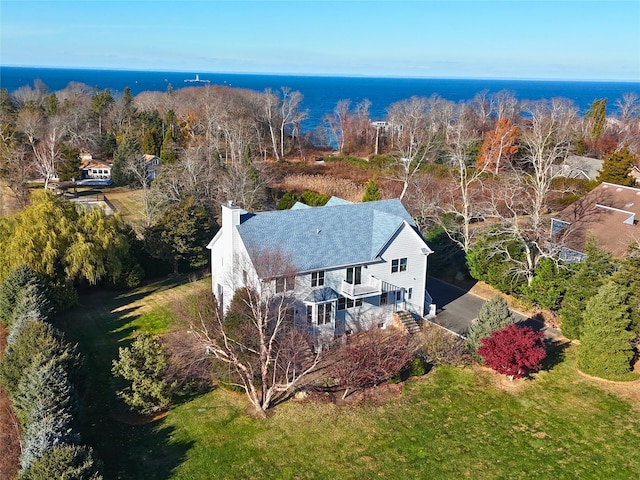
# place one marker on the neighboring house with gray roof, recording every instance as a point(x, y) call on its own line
point(351, 265)
point(575, 166)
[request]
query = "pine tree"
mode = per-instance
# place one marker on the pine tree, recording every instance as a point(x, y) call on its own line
point(31, 339)
point(605, 349)
point(591, 274)
point(43, 432)
point(494, 314)
point(45, 386)
point(69, 167)
point(128, 151)
point(628, 278)
point(372, 193)
point(64, 462)
point(181, 235)
point(13, 289)
point(597, 117)
point(617, 167)
point(549, 284)
point(143, 366)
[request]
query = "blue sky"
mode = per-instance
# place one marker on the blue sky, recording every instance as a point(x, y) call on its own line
point(542, 39)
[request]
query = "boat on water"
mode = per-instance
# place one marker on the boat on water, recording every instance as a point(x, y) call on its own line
point(196, 80)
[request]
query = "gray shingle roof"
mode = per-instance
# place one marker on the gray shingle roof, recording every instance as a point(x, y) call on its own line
point(323, 237)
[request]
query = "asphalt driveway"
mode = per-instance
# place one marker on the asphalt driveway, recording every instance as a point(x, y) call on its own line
point(456, 308)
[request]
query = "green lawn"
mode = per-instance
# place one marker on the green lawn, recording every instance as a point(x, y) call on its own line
point(452, 423)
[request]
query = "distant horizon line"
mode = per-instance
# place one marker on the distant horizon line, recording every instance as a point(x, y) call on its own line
point(329, 75)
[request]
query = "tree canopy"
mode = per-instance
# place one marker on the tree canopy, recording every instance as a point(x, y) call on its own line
point(66, 244)
point(617, 167)
point(605, 343)
point(494, 314)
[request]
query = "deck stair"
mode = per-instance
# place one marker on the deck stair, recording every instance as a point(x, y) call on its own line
point(405, 321)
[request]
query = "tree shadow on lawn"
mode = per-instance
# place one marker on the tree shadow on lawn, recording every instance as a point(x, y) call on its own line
point(145, 452)
point(103, 322)
point(555, 344)
point(555, 353)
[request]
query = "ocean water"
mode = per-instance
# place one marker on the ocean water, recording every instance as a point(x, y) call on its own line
point(321, 93)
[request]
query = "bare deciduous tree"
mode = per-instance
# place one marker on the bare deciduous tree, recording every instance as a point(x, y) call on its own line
point(546, 139)
point(47, 155)
point(338, 122)
point(267, 353)
point(290, 114)
point(416, 125)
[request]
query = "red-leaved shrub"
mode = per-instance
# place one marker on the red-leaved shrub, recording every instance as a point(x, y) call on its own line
point(513, 350)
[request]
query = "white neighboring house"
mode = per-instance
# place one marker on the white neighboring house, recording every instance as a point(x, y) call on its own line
point(93, 168)
point(355, 263)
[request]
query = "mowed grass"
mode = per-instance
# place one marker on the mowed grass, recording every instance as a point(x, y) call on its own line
point(451, 423)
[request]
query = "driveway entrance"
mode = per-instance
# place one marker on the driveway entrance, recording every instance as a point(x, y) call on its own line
point(456, 308)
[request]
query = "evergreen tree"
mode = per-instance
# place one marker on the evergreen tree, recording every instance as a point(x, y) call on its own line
point(6, 102)
point(168, 152)
point(128, 152)
point(31, 340)
point(33, 301)
point(591, 273)
point(627, 277)
point(107, 144)
point(372, 193)
point(46, 387)
point(69, 167)
point(494, 314)
point(287, 201)
point(100, 103)
point(43, 432)
point(313, 199)
point(493, 265)
point(13, 288)
point(180, 236)
point(605, 349)
point(549, 284)
point(617, 167)
point(72, 462)
point(143, 366)
point(52, 105)
point(597, 117)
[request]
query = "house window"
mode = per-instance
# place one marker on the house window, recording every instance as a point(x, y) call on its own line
point(345, 303)
point(317, 279)
point(384, 298)
point(324, 314)
point(409, 293)
point(309, 314)
point(354, 275)
point(399, 265)
point(398, 295)
point(285, 283)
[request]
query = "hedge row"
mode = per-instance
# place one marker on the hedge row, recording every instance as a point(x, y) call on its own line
point(36, 370)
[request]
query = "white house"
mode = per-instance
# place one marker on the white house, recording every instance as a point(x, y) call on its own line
point(93, 168)
point(351, 264)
